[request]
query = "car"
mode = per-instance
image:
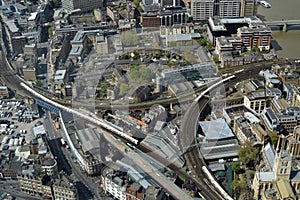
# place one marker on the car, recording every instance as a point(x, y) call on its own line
point(265, 4)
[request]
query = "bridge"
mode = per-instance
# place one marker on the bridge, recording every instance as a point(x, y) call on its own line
point(283, 24)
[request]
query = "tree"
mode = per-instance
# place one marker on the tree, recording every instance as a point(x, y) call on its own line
point(38, 83)
point(50, 31)
point(247, 153)
point(256, 49)
point(274, 137)
point(209, 46)
point(168, 54)
point(236, 167)
point(238, 185)
point(203, 42)
point(137, 4)
point(216, 59)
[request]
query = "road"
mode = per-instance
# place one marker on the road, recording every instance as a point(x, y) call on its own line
point(86, 187)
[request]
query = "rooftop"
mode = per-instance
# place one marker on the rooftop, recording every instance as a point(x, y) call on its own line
point(270, 155)
point(182, 37)
point(89, 139)
point(285, 189)
point(266, 176)
point(216, 129)
point(219, 149)
point(38, 130)
point(49, 162)
point(60, 75)
point(256, 95)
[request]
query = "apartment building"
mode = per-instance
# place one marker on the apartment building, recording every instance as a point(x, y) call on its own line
point(255, 101)
point(63, 188)
point(124, 182)
point(35, 185)
point(255, 36)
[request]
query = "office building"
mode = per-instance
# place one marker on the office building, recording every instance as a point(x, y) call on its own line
point(203, 9)
point(248, 8)
point(286, 120)
point(83, 5)
point(150, 20)
point(255, 101)
point(227, 8)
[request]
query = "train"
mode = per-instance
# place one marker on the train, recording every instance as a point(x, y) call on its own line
point(224, 194)
point(212, 87)
point(99, 122)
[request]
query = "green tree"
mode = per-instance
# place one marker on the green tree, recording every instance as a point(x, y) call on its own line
point(136, 56)
point(50, 31)
point(247, 153)
point(238, 185)
point(137, 4)
point(216, 59)
point(236, 167)
point(38, 83)
point(140, 74)
point(273, 136)
point(209, 46)
point(168, 54)
point(202, 41)
point(256, 49)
